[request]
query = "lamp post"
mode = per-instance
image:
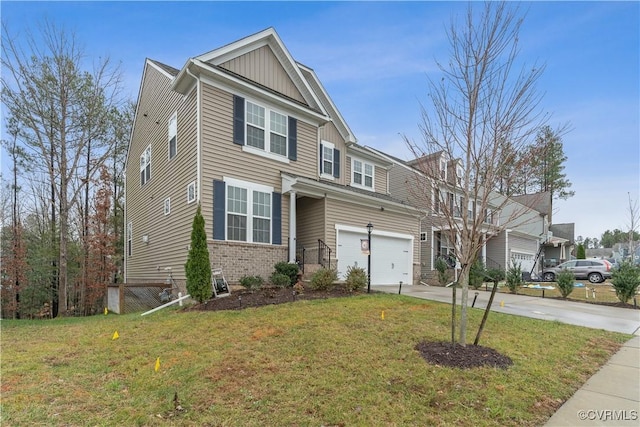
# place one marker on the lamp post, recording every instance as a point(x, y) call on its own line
point(369, 228)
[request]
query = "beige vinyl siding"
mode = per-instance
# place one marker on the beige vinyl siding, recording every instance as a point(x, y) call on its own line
point(168, 235)
point(310, 222)
point(522, 244)
point(351, 214)
point(496, 251)
point(222, 158)
point(329, 133)
point(262, 66)
point(380, 179)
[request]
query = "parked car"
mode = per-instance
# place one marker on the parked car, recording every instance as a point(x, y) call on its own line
point(594, 270)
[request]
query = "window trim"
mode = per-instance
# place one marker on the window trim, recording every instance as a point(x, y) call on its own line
point(332, 147)
point(267, 129)
point(129, 239)
point(250, 187)
point(172, 134)
point(145, 162)
point(363, 173)
point(167, 206)
point(191, 185)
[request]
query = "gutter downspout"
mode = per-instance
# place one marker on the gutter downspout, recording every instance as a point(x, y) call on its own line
point(198, 138)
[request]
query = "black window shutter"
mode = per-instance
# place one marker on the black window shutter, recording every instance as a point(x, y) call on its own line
point(238, 120)
point(336, 163)
point(276, 220)
point(293, 139)
point(321, 151)
point(218, 209)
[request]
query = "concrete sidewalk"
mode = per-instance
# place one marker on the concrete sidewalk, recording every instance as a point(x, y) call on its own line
point(611, 397)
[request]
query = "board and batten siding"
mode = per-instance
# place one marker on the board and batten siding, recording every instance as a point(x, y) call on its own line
point(262, 66)
point(168, 235)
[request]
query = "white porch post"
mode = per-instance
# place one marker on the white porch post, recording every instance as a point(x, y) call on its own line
point(292, 226)
point(484, 249)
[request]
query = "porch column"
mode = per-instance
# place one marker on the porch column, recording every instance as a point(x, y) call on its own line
point(292, 226)
point(484, 249)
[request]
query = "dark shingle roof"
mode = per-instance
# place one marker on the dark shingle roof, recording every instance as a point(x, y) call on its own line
point(173, 71)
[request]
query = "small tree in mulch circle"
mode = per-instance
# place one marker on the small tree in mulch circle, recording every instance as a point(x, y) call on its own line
point(565, 280)
point(197, 268)
point(625, 280)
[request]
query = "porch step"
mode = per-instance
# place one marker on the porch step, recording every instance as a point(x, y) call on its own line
point(309, 269)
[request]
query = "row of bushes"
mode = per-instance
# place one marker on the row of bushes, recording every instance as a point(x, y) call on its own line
point(625, 279)
point(286, 275)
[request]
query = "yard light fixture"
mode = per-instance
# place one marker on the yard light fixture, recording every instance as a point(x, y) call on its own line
point(369, 228)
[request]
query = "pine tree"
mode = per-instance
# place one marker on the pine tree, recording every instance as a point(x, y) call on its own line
point(581, 252)
point(548, 164)
point(197, 268)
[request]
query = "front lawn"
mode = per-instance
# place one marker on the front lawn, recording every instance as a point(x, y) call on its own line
point(324, 362)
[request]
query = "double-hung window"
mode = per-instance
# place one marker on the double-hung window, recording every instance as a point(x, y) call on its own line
point(145, 166)
point(249, 212)
point(362, 174)
point(267, 131)
point(329, 160)
point(173, 136)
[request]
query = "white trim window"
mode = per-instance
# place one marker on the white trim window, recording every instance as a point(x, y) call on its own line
point(129, 238)
point(145, 166)
point(249, 212)
point(173, 136)
point(167, 206)
point(258, 127)
point(362, 174)
point(191, 192)
point(327, 159)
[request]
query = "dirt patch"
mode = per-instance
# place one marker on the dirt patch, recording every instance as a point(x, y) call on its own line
point(464, 357)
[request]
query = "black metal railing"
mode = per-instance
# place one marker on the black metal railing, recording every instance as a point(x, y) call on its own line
point(300, 258)
point(323, 249)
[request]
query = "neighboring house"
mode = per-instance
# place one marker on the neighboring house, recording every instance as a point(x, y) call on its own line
point(251, 136)
point(512, 231)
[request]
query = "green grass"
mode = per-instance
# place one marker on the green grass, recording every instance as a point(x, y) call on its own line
point(329, 362)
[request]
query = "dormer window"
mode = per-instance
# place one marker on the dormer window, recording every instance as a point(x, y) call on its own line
point(329, 160)
point(443, 168)
point(361, 174)
point(459, 174)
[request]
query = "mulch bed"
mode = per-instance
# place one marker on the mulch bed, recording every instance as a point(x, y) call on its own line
point(464, 357)
point(241, 299)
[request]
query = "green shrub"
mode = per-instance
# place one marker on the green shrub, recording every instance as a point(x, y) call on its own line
point(323, 279)
point(565, 280)
point(280, 280)
point(197, 267)
point(494, 275)
point(356, 278)
point(443, 271)
point(476, 274)
point(288, 269)
point(514, 276)
point(625, 280)
point(252, 282)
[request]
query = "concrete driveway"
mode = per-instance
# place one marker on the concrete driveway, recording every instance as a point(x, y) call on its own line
point(574, 313)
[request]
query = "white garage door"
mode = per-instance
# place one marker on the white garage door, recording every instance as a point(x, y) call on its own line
point(525, 260)
point(391, 257)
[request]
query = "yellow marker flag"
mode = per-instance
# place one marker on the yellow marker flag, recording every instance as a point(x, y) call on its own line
point(115, 335)
point(106, 311)
point(157, 368)
point(382, 315)
point(501, 303)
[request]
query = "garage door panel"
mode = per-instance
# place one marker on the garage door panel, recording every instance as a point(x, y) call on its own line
point(390, 257)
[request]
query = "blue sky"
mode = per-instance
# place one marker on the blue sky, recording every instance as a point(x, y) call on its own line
point(374, 59)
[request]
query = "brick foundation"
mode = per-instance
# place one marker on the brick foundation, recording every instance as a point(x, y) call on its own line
point(239, 259)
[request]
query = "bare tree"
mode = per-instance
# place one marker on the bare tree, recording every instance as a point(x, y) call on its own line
point(483, 113)
point(62, 109)
point(634, 221)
